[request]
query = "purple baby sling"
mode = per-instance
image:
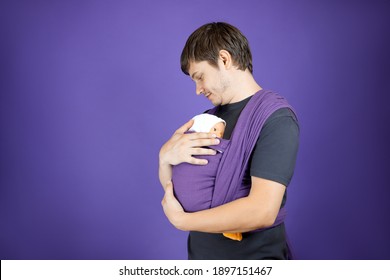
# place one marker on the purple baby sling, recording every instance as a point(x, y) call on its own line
point(222, 179)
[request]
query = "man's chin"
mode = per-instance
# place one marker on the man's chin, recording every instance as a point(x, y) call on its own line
point(215, 102)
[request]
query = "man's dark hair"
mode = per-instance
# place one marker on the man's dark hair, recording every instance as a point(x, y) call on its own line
point(205, 43)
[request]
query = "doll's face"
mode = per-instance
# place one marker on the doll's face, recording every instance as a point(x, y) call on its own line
point(218, 129)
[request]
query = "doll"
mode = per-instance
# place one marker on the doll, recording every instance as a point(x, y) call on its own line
point(212, 124)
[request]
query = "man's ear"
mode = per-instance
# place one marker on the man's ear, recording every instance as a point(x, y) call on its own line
point(226, 59)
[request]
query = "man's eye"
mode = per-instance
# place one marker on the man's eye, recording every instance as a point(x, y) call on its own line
point(215, 129)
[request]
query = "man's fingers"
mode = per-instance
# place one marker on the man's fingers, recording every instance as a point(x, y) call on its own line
point(198, 161)
point(185, 127)
point(204, 142)
point(203, 152)
point(201, 135)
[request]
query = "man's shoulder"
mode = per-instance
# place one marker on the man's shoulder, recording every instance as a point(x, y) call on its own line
point(282, 115)
point(283, 112)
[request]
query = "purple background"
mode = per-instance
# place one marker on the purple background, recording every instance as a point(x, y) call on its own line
point(90, 90)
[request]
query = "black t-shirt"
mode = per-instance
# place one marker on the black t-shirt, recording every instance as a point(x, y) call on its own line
point(273, 158)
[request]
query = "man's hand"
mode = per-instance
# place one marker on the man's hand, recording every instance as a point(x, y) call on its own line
point(172, 208)
point(182, 147)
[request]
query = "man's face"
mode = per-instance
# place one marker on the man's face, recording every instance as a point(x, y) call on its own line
point(210, 81)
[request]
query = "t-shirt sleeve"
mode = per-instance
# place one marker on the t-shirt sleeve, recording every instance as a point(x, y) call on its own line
point(275, 152)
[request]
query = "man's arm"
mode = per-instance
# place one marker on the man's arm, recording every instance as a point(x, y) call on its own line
point(258, 210)
point(182, 147)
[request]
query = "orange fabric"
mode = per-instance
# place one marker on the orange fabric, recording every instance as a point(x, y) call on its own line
point(234, 235)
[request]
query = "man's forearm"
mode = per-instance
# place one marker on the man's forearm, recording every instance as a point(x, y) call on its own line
point(164, 173)
point(237, 216)
point(258, 210)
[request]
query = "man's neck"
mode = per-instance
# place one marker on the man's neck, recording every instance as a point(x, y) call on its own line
point(244, 86)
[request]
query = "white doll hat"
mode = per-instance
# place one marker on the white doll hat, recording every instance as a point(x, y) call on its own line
point(204, 122)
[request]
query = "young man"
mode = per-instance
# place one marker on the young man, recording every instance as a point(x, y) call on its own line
point(218, 59)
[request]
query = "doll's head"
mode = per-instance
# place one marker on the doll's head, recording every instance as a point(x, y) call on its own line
point(208, 123)
point(218, 129)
